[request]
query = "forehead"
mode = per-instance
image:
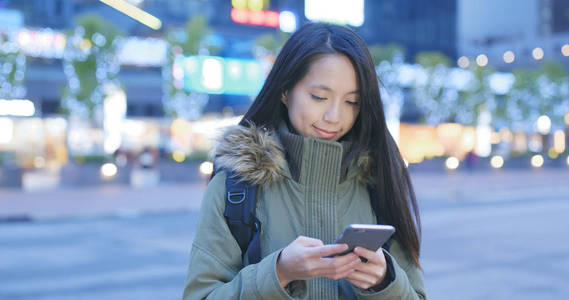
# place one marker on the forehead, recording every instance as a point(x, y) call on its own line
point(333, 70)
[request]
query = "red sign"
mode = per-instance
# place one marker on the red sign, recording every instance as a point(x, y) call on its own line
point(257, 17)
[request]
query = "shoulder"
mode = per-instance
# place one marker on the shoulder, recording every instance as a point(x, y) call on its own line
point(214, 196)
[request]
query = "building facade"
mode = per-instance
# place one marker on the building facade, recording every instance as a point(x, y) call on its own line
point(521, 26)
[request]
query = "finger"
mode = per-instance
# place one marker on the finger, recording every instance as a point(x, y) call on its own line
point(339, 275)
point(309, 242)
point(341, 259)
point(363, 277)
point(358, 283)
point(341, 264)
point(376, 271)
point(371, 256)
point(327, 250)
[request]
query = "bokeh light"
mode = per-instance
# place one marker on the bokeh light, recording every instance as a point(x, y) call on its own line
point(39, 162)
point(7, 132)
point(537, 53)
point(108, 170)
point(179, 156)
point(537, 161)
point(482, 60)
point(509, 57)
point(287, 21)
point(565, 50)
point(206, 168)
point(559, 141)
point(552, 153)
point(463, 62)
point(452, 163)
point(497, 162)
point(543, 124)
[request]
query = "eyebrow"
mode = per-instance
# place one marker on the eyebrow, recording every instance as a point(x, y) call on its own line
point(326, 88)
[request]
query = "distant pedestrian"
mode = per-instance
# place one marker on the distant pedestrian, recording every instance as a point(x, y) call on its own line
point(316, 144)
point(471, 159)
point(148, 158)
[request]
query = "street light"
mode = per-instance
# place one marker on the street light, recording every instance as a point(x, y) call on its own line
point(135, 13)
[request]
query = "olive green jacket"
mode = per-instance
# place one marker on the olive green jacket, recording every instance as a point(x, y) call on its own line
point(316, 201)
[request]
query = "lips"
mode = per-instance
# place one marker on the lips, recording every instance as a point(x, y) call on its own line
point(325, 134)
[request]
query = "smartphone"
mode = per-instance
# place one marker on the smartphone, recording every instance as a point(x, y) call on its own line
point(368, 236)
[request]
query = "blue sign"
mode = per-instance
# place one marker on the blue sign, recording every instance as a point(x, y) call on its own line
point(218, 75)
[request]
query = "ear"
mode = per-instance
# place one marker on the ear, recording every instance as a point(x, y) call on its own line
point(284, 98)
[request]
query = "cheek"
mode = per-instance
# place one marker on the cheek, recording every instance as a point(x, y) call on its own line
point(299, 119)
point(301, 113)
point(351, 117)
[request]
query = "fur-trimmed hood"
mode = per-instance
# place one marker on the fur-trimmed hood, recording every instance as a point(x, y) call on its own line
point(252, 153)
point(257, 156)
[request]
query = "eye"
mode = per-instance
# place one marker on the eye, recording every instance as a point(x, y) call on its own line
point(317, 98)
point(354, 103)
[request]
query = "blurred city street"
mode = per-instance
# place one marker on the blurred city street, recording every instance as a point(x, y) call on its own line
point(110, 110)
point(498, 234)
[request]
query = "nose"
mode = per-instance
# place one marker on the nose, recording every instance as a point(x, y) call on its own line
point(332, 114)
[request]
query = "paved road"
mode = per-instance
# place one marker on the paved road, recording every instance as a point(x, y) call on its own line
point(485, 236)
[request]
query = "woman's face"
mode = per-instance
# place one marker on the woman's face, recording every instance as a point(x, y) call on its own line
point(325, 103)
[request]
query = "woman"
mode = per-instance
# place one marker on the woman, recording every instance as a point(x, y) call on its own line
point(315, 141)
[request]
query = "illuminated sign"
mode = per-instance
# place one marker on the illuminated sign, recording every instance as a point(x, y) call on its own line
point(252, 12)
point(254, 5)
point(142, 51)
point(259, 18)
point(217, 75)
point(335, 11)
point(17, 108)
point(42, 43)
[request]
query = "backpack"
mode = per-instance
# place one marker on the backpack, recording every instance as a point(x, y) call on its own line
point(240, 203)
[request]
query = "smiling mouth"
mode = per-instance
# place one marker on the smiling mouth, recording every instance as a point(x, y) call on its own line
point(324, 133)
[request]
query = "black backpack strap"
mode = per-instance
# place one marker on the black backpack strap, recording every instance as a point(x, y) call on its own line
point(240, 202)
point(378, 216)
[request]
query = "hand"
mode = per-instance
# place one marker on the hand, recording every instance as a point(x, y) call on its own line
point(371, 273)
point(304, 259)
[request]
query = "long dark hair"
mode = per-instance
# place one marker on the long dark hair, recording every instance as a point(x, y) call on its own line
point(394, 193)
